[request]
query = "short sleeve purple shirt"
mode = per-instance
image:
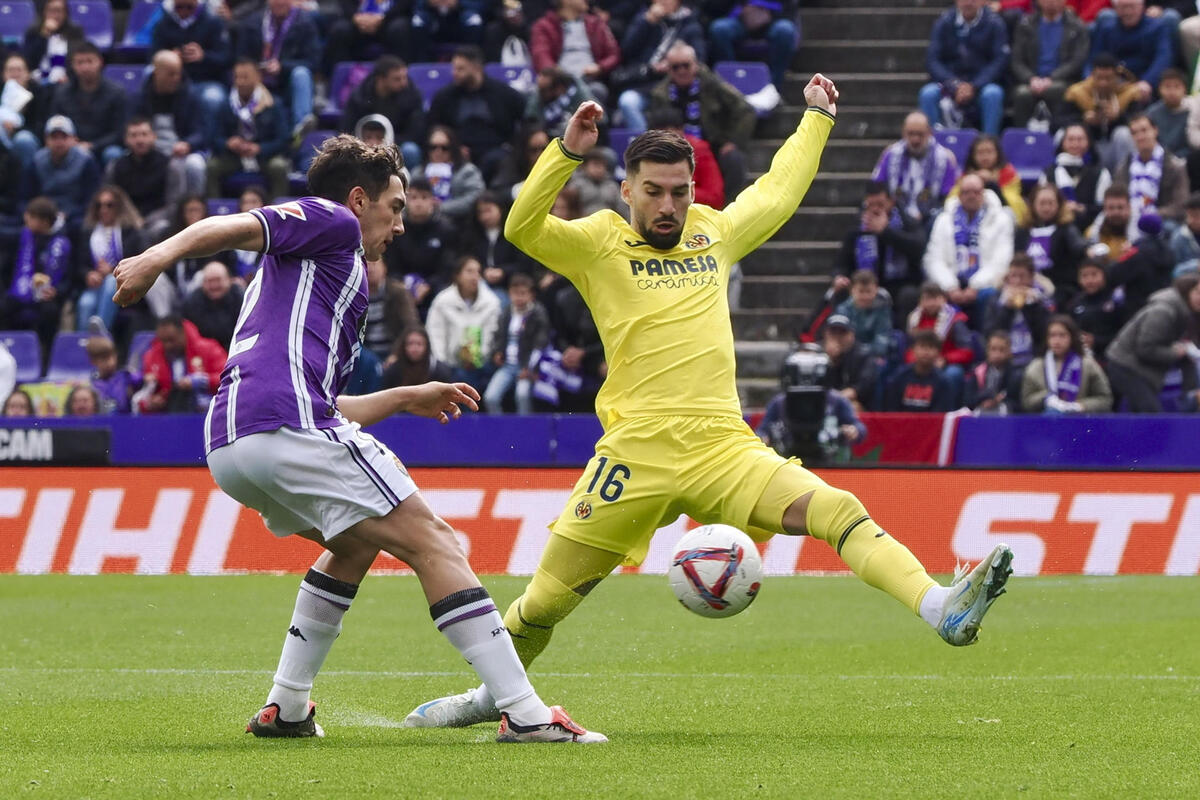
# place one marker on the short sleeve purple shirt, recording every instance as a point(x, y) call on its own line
point(300, 328)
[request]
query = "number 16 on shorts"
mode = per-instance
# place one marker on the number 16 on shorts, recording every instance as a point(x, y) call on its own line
point(610, 479)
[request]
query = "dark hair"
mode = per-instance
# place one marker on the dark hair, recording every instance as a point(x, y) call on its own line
point(81, 388)
point(420, 185)
point(1023, 261)
point(138, 119)
point(488, 196)
point(932, 289)
point(1065, 214)
point(1104, 61)
point(1138, 117)
point(1116, 190)
point(385, 64)
point(1184, 284)
point(1172, 74)
point(455, 144)
point(659, 147)
point(864, 277)
point(43, 208)
point(172, 319)
point(1093, 263)
point(85, 48)
point(28, 399)
point(257, 189)
point(999, 333)
point(345, 161)
point(183, 203)
point(412, 372)
point(462, 262)
point(664, 117)
point(243, 61)
point(926, 337)
point(876, 187)
point(470, 52)
point(520, 280)
point(558, 77)
point(1193, 201)
point(1072, 330)
point(984, 138)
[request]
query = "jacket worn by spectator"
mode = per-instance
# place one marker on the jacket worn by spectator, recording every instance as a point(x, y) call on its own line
point(872, 326)
point(979, 58)
point(909, 391)
point(646, 43)
point(894, 256)
point(1072, 49)
point(450, 316)
point(1145, 49)
point(466, 182)
point(424, 250)
point(725, 115)
point(710, 183)
point(533, 336)
point(70, 183)
point(954, 266)
point(301, 46)
point(1095, 395)
point(1172, 186)
point(205, 30)
point(1083, 183)
point(405, 109)
point(270, 131)
point(175, 117)
point(950, 325)
point(214, 319)
point(856, 369)
point(546, 42)
point(1025, 324)
point(143, 179)
point(202, 357)
point(1056, 251)
point(1098, 314)
point(988, 382)
point(390, 312)
point(99, 116)
point(1142, 271)
point(1144, 345)
point(34, 46)
point(457, 107)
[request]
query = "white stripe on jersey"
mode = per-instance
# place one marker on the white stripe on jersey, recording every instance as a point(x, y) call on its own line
point(347, 295)
point(266, 229)
point(296, 341)
point(235, 377)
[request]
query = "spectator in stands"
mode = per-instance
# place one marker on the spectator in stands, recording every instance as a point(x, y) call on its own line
point(245, 262)
point(63, 172)
point(390, 310)
point(152, 180)
point(456, 182)
point(835, 430)
point(968, 59)
point(388, 91)
point(8, 372)
point(598, 188)
point(1157, 180)
point(1145, 268)
point(421, 257)
point(202, 42)
point(522, 332)
point(707, 179)
point(921, 386)
point(1185, 242)
point(526, 148)
point(411, 362)
point(284, 42)
point(852, 371)
point(462, 324)
point(38, 273)
point(1154, 342)
point(484, 111)
point(1140, 42)
point(554, 99)
point(950, 324)
point(1065, 379)
point(712, 110)
point(485, 240)
point(1020, 310)
point(887, 242)
point(112, 230)
point(82, 401)
point(1052, 242)
point(182, 369)
point(971, 244)
point(869, 312)
point(644, 54)
point(94, 103)
point(986, 159)
point(1095, 309)
point(1101, 102)
point(1114, 227)
point(18, 404)
point(114, 386)
point(214, 305)
point(363, 24)
point(918, 172)
point(169, 102)
point(48, 41)
point(10, 191)
point(1049, 51)
point(506, 34)
point(443, 23)
point(994, 385)
point(1078, 177)
point(253, 135)
point(1170, 114)
point(578, 42)
point(22, 117)
point(185, 275)
point(756, 19)
point(582, 352)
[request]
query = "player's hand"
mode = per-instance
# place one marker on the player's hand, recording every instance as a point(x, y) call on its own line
point(134, 277)
point(442, 401)
point(582, 131)
point(821, 93)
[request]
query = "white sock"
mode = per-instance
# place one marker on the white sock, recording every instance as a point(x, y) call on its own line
point(470, 621)
point(316, 623)
point(483, 699)
point(932, 604)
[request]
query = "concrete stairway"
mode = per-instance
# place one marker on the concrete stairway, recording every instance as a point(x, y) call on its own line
point(875, 51)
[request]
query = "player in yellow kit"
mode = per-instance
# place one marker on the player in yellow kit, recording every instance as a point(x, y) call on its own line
point(674, 439)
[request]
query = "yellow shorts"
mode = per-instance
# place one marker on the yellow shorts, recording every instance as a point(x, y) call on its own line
point(648, 470)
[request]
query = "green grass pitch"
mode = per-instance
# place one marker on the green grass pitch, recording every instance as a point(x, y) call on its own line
point(120, 686)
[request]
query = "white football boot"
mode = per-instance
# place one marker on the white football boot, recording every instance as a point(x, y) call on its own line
point(972, 594)
point(560, 728)
point(455, 711)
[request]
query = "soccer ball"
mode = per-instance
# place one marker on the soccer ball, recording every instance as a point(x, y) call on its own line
point(716, 571)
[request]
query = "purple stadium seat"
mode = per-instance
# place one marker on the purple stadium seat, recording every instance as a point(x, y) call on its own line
point(747, 77)
point(958, 142)
point(619, 139)
point(69, 358)
point(15, 17)
point(26, 350)
point(130, 49)
point(220, 206)
point(128, 76)
point(96, 19)
point(309, 146)
point(347, 75)
point(137, 349)
point(519, 78)
point(1030, 152)
point(428, 78)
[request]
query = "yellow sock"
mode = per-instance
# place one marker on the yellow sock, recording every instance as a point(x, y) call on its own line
point(532, 616)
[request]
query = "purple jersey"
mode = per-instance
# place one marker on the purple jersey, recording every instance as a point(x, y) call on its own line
point(300, 327)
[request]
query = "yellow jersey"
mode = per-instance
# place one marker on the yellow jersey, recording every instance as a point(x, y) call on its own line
point(663, 315)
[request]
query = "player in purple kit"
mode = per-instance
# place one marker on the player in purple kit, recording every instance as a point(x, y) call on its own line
point(282, 441)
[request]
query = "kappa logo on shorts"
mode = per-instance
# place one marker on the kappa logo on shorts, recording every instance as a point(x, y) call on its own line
point(696, 241)
point(583, 510)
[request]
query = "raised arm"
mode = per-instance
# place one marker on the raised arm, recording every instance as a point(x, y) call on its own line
point(137, 274)
point(761, 209)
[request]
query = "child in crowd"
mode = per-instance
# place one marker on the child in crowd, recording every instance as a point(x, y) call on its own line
point(1065, 380)
point(1020, 310)
point(1185, 241)
point(82, 401)
point(1170, 113)
point(921, 386)
point(114, 387)
point(39, 274)
point(1095, 309)
point(869, 312)
point(597, 187)
point(994, 386)
point(522, 332)
point(935, 313)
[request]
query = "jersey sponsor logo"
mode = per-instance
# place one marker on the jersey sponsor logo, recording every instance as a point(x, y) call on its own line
point(653, 267)
point(697, 241)
point(285, 210)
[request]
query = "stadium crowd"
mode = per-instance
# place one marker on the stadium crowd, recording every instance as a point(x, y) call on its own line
point(1062, 287)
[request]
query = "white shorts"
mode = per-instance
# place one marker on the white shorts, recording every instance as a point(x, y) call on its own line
point(325, 479)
